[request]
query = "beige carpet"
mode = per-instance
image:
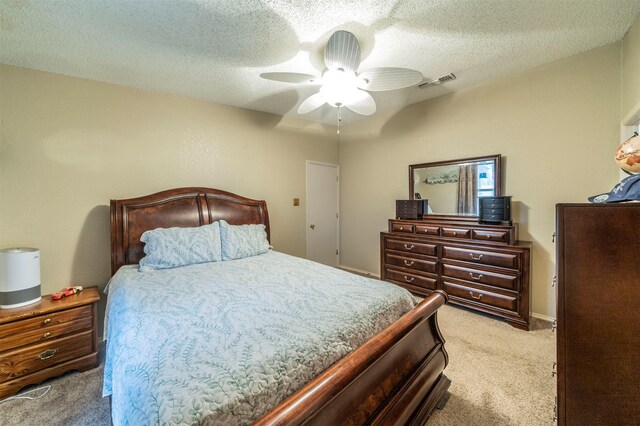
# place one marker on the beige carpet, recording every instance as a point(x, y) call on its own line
point(500, 376)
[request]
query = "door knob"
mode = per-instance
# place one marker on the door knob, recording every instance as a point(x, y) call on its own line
point(312, 226)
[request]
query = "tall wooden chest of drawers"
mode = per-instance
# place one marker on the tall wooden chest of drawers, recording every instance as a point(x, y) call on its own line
point(48, 338)
point(598, 290)
point(481, 267)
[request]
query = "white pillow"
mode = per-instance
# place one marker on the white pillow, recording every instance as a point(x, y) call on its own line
point(173, 247)
point(239, 241)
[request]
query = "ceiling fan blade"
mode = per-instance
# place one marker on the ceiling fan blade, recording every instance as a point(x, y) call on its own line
point(290, 77)
point(311, 103)
point(362, 103)
point(381, 79)
point(342, 51)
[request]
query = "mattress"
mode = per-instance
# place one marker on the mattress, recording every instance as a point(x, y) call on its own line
point(225, 342)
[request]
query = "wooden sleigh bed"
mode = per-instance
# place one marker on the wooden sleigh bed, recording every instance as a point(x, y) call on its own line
point(394, 378)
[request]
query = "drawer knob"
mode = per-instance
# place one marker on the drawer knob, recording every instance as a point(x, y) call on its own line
point(473, 296)
point(409, 280)
point(475, 258)
point(479, 277)
point(47, 321)
point(47, 334)
point(409, 263)
point(402, 228)
point(455, 233)
point(489, 236)
point(49, 353)
point(406, 247)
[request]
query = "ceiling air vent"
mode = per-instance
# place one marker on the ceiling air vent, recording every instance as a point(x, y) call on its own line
point(438, 81)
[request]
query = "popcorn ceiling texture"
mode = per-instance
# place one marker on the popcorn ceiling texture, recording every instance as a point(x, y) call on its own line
point(216, 49)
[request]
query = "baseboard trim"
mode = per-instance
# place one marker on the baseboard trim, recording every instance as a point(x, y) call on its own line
point(542, 317)
point(359, 271)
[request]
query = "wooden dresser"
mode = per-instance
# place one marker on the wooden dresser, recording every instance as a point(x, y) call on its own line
point(481, 267)
point(48, 338)
point(598, 318)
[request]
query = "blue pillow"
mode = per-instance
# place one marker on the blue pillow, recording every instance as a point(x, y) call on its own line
point(239, 241)
point(173, 247)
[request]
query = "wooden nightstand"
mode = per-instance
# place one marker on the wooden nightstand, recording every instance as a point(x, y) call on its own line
point(47, 339)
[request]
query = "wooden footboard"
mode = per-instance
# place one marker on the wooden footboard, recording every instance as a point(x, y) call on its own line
point(395, 378)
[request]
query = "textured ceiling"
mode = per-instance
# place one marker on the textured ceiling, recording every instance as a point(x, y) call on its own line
point(216, 49)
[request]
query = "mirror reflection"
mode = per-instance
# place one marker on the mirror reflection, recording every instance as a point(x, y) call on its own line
point(453, 187)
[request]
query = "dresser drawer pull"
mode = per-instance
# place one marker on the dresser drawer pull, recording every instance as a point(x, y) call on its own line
point(47, 334)
point(49, 353)
point(479, 277)
point(402, 228)
point(409, 263)
point(455, 233)
point(47, 321)
point(475, 258)
point(477, 298)
point(409, 280)
point(411, 247)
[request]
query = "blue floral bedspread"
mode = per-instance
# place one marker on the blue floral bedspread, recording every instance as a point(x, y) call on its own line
point(225, 342)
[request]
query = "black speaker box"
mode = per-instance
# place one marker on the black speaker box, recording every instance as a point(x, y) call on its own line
point(411, 209)
point(494, 209)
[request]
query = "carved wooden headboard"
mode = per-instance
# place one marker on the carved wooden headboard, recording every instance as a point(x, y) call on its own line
point(182, 207)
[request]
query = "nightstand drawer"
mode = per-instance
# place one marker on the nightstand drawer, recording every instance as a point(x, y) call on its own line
point(22, 362)
point(44, 327)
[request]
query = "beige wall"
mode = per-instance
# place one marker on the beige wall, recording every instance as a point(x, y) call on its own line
point(556, 126)
point(70, 145)
point(631, 70)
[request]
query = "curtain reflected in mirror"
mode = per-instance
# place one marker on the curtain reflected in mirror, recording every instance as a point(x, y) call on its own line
point(453, 187)
point(468, 189)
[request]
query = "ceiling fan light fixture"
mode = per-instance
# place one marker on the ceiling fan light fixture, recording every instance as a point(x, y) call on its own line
point(339, 87)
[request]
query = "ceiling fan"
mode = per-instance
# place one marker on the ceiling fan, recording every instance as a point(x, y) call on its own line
point(341, 84)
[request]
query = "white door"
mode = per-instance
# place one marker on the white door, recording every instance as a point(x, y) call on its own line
point(322, 212)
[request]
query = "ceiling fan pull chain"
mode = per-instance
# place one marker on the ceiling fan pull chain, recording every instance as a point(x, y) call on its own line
point(339, 117)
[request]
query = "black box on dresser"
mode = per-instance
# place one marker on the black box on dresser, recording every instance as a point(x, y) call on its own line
point(481, 267)
point(494, 209)
point(411, 209)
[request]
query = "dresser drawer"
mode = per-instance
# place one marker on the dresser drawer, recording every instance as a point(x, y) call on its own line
point(424, 265)
point(22, 362)
point(412, 247)
point(502, 301)
point(483, 235)
point(456, 233)
point(506, 260)
point(427, 230)
point(509, 282)
point(45, 327)
point(412, 279)
point(402, 227)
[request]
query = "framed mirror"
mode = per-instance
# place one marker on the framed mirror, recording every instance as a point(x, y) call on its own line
point(453, 187)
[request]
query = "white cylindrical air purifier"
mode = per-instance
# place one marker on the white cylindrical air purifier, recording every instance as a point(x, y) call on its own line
point(19, 277)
